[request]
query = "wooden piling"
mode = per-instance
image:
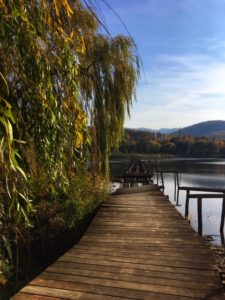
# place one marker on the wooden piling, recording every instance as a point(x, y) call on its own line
point(222, 217)
point(199, 203)
point(187, 204)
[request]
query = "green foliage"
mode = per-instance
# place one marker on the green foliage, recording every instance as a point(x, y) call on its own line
point(84, 195)
point(154, 147)
point(39, 109)
point(168, 147)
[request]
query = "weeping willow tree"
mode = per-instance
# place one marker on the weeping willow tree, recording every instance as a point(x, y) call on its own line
point(109, 76)
point(59, 77)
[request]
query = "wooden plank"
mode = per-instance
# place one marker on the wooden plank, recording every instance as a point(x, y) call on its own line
point(128, 277)
point(152, 262)
point(210, 278)
point(117, 252)
point(137, 247)
point(183, 249)
point(142, 253)
point(72, 290)
point(167, 235)
point(142, 240)
point(22, 296)
point(133, 210)
point(144, 222)
point(166, 232)
point(136, 286)
point(65, 291)
point(152, 267)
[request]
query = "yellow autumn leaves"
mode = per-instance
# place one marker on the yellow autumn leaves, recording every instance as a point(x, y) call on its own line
point(3, 6)
point(58, 4)
point(74, 36)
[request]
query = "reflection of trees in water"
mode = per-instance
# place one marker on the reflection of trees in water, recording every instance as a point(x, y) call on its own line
point(189, 166)
point(203, 180)
point(193, 172)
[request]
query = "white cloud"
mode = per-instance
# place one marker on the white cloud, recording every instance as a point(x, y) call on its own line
point(181, 90)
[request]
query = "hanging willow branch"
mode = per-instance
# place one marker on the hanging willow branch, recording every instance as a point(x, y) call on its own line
point(113, 70)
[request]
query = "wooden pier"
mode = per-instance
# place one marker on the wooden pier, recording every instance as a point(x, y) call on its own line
point(136, 173)
point(138, 246)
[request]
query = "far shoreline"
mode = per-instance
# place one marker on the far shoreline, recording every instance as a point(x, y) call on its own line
point(158, 156)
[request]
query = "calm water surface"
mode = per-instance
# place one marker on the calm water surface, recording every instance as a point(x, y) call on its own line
point(192, 172)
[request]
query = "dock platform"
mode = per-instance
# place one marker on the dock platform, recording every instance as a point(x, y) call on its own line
point(138, 246)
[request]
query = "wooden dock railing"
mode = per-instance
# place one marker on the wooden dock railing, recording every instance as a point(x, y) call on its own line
point(193, 192)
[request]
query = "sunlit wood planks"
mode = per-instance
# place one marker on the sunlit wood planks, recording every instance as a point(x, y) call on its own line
point(137, 247)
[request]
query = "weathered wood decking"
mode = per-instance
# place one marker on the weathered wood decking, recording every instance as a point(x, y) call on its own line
point(137, 247)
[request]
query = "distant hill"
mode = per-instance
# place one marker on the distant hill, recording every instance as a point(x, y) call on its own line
point(207, 129)
point(215, 129)
point(161, 130)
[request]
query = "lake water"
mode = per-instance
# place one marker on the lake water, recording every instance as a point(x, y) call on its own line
point(192, 172)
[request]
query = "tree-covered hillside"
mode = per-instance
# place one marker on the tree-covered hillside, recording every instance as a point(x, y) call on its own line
point(135, 141)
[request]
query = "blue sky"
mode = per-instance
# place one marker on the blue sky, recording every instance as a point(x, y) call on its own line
point(182, 46)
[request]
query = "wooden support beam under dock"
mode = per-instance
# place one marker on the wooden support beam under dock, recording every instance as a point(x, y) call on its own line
point(137, 247)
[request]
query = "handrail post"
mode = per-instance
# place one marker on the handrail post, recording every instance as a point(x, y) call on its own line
point(162, 180)
point(222, 238)
point(177, 202)
point(200, 215)
point(222, 217)
point(178, 183)
point(187, 204)
point(175, 187)
point(178, 188)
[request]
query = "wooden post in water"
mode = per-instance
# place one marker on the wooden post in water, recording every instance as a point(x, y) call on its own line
point(222, 217)
point(199, 215)
point(187, 204)
point(162, 180)
point(222, 238)
point(178, 189)
point(178, 183)
point(175, 187)
point(177, 203)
